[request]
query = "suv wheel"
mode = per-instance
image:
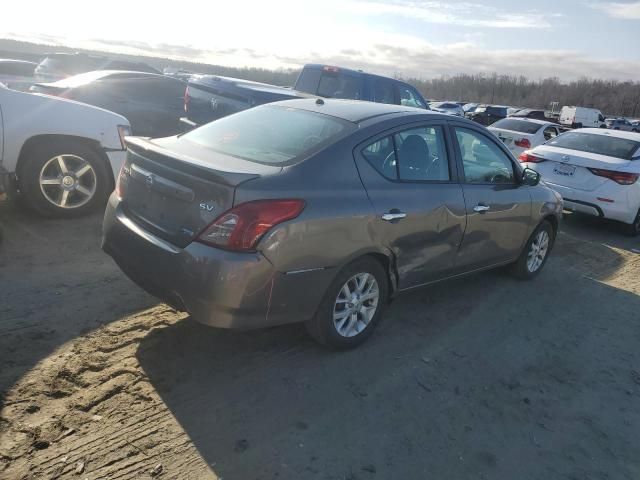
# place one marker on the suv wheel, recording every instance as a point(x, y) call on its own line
point(63, 179)
point(352, 305)
point(535, 253)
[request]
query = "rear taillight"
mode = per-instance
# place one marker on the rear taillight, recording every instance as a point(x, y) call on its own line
point(623, 178)
point(523, 142)
point(187, 99)
point(530, 158)
point(242, 227)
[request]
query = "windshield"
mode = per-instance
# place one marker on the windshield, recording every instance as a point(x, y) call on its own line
point(269, 134)
point(601, 144)
point(521, 126)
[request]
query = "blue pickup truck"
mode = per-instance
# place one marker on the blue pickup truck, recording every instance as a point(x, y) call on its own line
point(209, 97)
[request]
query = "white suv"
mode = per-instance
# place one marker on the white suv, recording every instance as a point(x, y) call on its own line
point(595, 170)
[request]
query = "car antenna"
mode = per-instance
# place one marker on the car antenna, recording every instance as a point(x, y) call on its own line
point(319, 101)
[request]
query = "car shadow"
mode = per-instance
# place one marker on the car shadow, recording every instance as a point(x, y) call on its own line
point(55, 285)
point(600, 230)
point(479, 377)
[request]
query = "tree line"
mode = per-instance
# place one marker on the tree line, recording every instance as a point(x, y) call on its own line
point(611, 97)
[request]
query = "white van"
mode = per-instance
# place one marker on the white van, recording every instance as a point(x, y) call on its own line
point(581, 117)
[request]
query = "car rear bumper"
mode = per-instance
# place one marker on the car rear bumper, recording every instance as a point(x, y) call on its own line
point(217, 287)
point(616, 202)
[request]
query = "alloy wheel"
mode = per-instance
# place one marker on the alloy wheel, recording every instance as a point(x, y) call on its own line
point(538, 251)
point(356, 304)
point(67, 181)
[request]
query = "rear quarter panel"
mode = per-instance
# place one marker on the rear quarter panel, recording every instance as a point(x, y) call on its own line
point(336, 224)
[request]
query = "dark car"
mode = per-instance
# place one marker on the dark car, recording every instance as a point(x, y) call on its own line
point(152, 103)
point(321, 211)
point(488, 114)
point(56, 66)
point(209, 97)
point(337, 82)
point(535, 115)
point(17, 74)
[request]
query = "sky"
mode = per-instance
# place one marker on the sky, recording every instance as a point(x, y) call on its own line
point(420, 39)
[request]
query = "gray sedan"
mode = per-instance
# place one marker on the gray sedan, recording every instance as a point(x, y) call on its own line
point(320, 211)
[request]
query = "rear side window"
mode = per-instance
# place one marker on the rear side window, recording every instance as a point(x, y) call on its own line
point(269, 134)
point(521, 126)
point(417, 154)
point(601, 144)
point(383, 91)
point(339, 85)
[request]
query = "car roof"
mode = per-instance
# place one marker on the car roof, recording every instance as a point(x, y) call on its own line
point(612, 133)
point(11, 60)
point(354, 111)
point(98, 75)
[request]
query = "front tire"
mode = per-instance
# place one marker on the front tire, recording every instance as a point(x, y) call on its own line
point(535, 253)
point(352, 305)
point(63, 179)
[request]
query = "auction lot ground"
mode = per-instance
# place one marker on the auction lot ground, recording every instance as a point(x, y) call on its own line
point(484, 377)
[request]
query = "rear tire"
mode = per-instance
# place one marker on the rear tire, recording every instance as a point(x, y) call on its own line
point(633, 230)
point(535, 253)
point(63, 179)
point(352, 305)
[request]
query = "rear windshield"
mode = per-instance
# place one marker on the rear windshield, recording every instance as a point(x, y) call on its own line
point(339, 85)
point(269, 134)
point(601, 144)
point(521, 126)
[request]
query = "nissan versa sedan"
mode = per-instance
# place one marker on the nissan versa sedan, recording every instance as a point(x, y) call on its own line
point(320, 211)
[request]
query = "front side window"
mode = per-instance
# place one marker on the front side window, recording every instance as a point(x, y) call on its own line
point(410, 98)
point(417, 154)
point(269, 134)
point(482, 159)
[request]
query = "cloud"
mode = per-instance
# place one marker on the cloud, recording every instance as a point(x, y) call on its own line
point(625, 10)
point(464, 13)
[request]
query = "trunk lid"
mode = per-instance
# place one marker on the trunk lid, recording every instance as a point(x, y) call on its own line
point(571, 168)
point(174, 188)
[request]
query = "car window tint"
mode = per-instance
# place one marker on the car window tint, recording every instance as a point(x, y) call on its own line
point(383, 91)
point(515, 125)
point(339, 85)
point(382, 157)
point(482, 159)
point(269, 134)
point(422, 155)
point(409, 97)
point(596, 143)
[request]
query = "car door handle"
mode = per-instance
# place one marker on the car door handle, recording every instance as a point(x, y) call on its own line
point(393, 215)
point(481, 208)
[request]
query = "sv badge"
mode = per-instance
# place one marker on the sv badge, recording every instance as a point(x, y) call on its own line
point(208, 208)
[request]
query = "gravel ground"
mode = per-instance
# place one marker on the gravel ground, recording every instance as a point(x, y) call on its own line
point(484, 377)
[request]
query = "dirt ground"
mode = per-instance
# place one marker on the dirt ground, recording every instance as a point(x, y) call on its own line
point(483, 378)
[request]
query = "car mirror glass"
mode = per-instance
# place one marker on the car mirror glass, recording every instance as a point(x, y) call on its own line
point(530, 177)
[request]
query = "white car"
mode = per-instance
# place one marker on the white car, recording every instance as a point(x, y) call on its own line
point(447, 107)
point(63, 155)
point(520, 134)
point(595, 170)
point(581, 117)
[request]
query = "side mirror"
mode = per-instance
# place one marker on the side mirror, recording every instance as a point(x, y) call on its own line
point(530, 177)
